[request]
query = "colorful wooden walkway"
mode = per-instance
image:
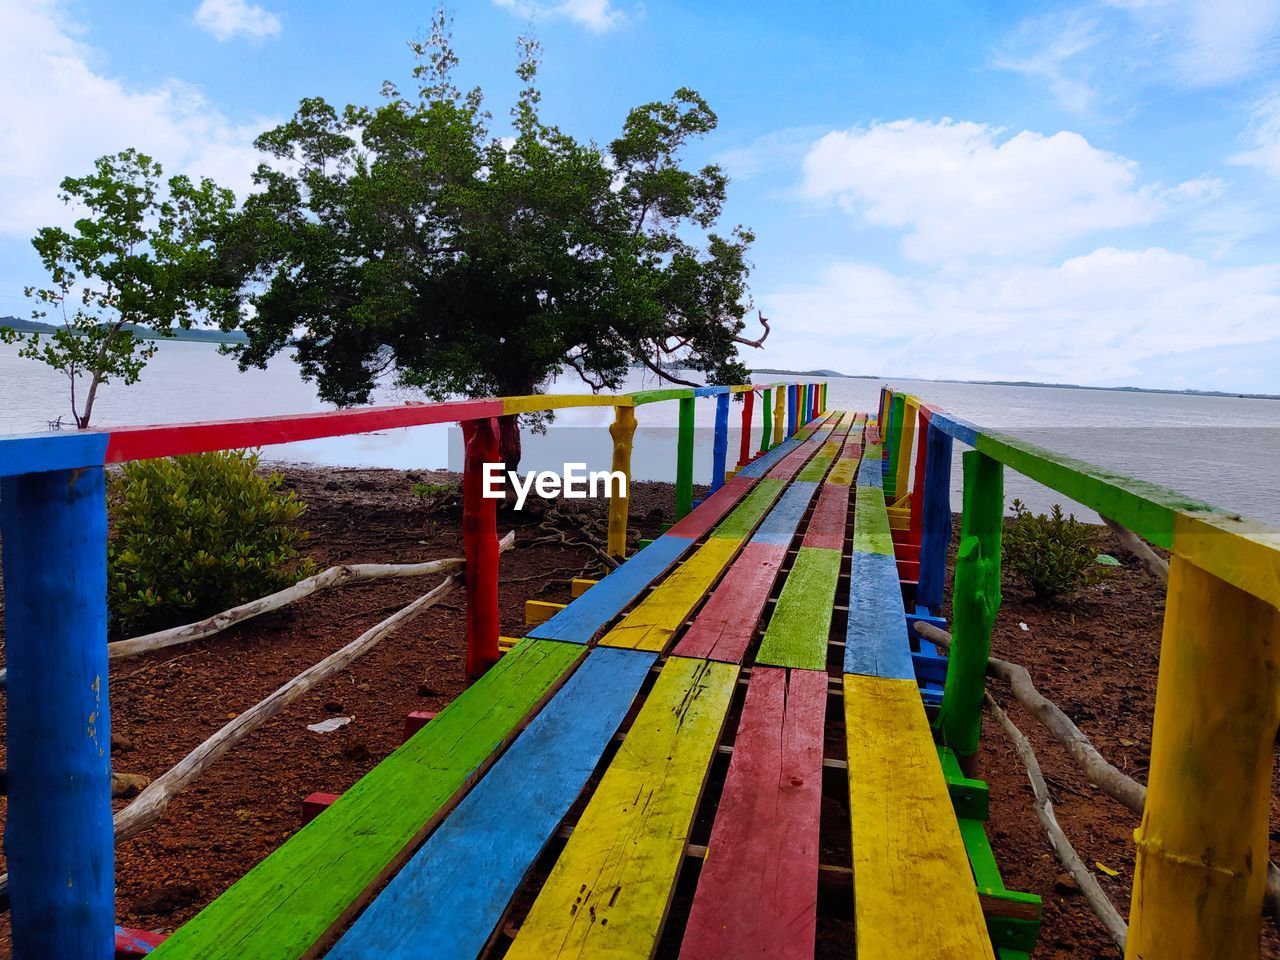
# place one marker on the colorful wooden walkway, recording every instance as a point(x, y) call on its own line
point(668, 737)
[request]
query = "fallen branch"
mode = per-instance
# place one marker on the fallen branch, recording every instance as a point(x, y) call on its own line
point(1156, 565)
point(1100, 772)
point(1117, 785)
point(1081, 874)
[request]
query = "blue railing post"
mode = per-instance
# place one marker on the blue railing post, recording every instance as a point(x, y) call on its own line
point(935, 536)
point(720, 442)
point(58, 835)
point(792, 392)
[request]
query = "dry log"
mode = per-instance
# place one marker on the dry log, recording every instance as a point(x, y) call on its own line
point(1098, 902)
point(1101, 774)
point(1156, 565)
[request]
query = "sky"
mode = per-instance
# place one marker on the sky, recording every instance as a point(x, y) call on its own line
point(1083, 192)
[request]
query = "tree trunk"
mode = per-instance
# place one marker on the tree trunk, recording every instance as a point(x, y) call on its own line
point(509, 440)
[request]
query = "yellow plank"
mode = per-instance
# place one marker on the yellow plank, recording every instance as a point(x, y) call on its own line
point(1244, 553)
point(607, 895)
point(558, 401)
point(914, 894)
point(742, 388)
point(651, 625)
point(580, 585)
point(540, 611)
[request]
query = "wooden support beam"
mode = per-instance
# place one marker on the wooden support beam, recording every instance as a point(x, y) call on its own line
point(720, 442)
point(684, 460)
point(623, 430)
point(744, 447)
point(935, 538)
point(580, 585)
point(480, 545)
point(540, 611)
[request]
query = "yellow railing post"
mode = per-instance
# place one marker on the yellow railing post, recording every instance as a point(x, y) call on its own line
point(780, 414)
point(1202, 847)
point(623, 431)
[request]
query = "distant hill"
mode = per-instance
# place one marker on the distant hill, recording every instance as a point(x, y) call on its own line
point(800, 373)
point(195, 335)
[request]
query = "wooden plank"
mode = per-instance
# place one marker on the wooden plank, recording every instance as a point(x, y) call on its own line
point(587, 616)
point(826, 526)
point(652, 623)
point(540, 611)
point(817, 467)
point(580, 585)
point(875, 642)
point(726, 623)
point(310, 887)
point(608, 894)
point(757, 895)
point(780, 525)
point(872, 532)
point(713, 508)
point(43, 452)
point(871, 471)
point(747, 515)
point(641, 397)
point(558, 401)
point(797, 631)
point(175, 439)
point(456, 888)
point(905, 838)
point(766, 461)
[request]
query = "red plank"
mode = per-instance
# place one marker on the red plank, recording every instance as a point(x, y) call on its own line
point(726, 623)
point(175, 439)
point(826, 526)
point(710, 510)
point(758, 893)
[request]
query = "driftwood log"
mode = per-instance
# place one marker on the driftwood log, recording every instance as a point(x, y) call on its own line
point(1098, 901)
point(1156, 565)
point(1111, 781)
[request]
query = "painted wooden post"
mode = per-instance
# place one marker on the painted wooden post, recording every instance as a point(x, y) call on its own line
point(684, 460)
point(780, 414)
point(720, 442)
point(896, 411)
point(792, 410)
point(814, 388)
point(744, 449)
point(623, 431)
point(58, 835)
point(975, 600)
point(802, 416)
point(766, 409)
point(935, 535)
point(480, 545)
point(1201, 867)
point(906, 439)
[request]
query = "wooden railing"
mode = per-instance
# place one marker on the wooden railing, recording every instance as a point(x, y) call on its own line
point(53, 519)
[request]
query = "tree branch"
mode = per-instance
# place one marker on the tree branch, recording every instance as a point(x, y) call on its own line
point(669, 377)
point(764, 322)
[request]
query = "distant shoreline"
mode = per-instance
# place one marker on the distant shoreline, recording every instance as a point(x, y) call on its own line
point(832, 375)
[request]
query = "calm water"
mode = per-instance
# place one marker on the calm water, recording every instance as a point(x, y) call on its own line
point(1222, 450)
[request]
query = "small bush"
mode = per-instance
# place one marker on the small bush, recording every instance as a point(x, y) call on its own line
point(424, 490)
point(1052, 554)
point(195, 535)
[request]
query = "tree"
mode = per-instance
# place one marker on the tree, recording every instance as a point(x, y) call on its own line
point(140, 259)
point(407, 239)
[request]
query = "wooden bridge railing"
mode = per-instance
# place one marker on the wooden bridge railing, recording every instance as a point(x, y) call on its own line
point(53, 520)
point(1202, 847)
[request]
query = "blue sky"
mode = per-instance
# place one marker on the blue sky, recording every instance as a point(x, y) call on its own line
point(1083, 191)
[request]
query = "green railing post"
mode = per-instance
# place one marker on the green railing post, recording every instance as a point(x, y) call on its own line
point(893, 443)
point(766, 408)
point(975, 600)
point(684, 459)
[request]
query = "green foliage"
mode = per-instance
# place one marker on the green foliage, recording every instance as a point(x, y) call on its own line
point(424, 490)
point(1053, 554)
point(141, 254)
point(196, 535)
point(406, 237)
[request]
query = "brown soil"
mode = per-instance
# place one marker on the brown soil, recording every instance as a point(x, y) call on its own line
point(1096, 656)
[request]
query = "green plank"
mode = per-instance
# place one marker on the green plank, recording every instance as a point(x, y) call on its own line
point(971, 798)
point(653, 396)
point(798, 630)
point(816, 468)
point(1147, 509)
point(307, 888)
point(871, 533)
point(747, 514)
point(1010, 932)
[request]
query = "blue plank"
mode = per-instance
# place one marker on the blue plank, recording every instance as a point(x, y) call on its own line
point(766, 461)
point(581, 620)
point(870, 472)
point(709, 391)
point(956, 427)
point(779, 526)
point(42, 452)
point(875, 641)
point(446, 901)
point(935, 538)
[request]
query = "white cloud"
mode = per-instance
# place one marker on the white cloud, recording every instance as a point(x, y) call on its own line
point(1263, 138)
point(964, 189)
point(76, 113)
point(226, 19)
point(781, 150)
point(1049, 49)
point(1093, 319)
point(599, 16)
point(1211, 42)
